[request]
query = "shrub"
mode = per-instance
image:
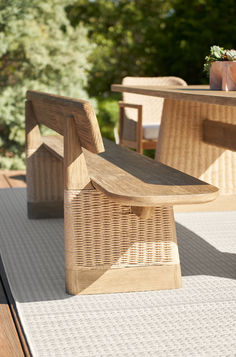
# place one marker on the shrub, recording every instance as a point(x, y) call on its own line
point(40, 50)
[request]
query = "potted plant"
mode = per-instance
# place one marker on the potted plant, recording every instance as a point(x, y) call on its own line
point(221, 64)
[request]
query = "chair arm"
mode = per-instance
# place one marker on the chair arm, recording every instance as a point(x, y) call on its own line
point(130, 105)
point(139, 132)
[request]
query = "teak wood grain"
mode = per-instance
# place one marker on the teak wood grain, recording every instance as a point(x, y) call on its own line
point(197, 132)
point(12, 339)
point(219, 134)
point(195, 93)
point(3, 182)
point(9, 341)
point(115, 280)
point(52, 110)
point(75, 169)
point(109, 197)
point(135, 180)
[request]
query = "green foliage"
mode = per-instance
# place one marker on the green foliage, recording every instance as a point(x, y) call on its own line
point(39, 49)
point(230, 55)
point(125, 33)
point(153, 38)
point(189, 31)
point(218, 54)
point(108, 112)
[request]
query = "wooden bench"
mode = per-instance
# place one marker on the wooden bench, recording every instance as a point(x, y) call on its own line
point(118, 205)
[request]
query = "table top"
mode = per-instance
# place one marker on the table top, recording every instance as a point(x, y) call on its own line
point(196, 93)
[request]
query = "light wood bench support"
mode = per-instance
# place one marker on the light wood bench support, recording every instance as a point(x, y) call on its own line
point(108, 247)
point(118, 205)
point(44, 173)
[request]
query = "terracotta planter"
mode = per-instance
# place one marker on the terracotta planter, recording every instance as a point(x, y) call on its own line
point(223, 75)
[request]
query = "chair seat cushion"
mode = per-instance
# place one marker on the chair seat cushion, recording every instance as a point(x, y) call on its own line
point(150, 131)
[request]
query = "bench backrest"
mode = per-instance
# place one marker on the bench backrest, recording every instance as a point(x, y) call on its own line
point(52, 110)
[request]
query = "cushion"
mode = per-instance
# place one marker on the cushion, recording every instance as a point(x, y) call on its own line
point(150, 131)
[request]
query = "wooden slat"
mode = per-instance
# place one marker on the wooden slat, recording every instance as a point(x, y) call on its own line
point(10, 345)
point(135, 180)
point(75, 168)
point(147, 144)
point(12, 339)
point(3, 181)
point(101, 281)
point(221, 203)
point(191, 93)
point(54, 143)
point(219, 134)
point(14, 318)
point(15, 178)
point(52, 110)
point(130, 105)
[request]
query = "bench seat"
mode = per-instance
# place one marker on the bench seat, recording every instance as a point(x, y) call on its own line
point(131, 179)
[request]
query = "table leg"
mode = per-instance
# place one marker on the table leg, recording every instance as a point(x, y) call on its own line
point(180, 142)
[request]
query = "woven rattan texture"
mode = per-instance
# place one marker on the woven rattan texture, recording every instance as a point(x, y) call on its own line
point(42, 166)
point(183, 149)
point(152, 106)
point(102, 233)
point(197, 320)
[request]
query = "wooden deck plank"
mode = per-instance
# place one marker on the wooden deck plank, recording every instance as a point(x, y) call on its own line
point(12, 319)
point(3, 181)
point(15, 178)
point(12, 340)
point(10, 345)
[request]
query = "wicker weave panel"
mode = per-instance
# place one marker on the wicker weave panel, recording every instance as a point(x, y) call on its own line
point(44, 176)
point(183, 149)
point(152, 106)
point(102, 233)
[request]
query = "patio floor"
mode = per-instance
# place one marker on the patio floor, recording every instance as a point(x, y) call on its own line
point(12, 340)
point(197, 320)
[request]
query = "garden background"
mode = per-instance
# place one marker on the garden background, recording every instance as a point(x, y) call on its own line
point(79, 48)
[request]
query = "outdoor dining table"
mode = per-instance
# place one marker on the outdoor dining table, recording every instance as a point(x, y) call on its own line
point(198, 132)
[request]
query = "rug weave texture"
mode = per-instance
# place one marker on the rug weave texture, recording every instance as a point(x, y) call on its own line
point(197, 320)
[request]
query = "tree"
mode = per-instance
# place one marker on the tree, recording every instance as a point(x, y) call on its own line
point(123, 32)
point(188, 32)
point(153, 38)
point(40, 50)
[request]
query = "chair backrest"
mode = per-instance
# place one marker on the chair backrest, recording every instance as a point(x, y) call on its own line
point(152, 106)
point(52, 110)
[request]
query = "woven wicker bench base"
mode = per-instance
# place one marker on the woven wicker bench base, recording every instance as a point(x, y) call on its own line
point(102, 281)
point(110, 249)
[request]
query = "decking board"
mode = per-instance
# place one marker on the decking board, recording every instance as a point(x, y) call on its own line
point(12, 343)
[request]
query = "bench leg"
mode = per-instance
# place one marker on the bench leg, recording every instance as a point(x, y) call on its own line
point(44, 185)
point(44, 174)
point(109, 249)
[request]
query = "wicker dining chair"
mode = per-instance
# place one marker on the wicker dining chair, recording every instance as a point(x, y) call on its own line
point(140, 115)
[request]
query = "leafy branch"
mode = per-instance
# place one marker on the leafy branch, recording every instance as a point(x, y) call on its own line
point(218, 54)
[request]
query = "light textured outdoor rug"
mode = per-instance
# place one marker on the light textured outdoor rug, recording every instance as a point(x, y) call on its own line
point(197, 320)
